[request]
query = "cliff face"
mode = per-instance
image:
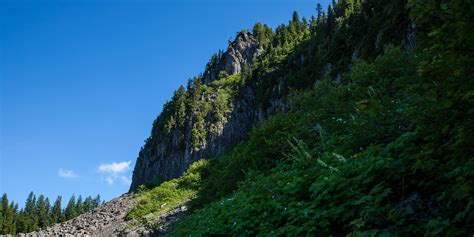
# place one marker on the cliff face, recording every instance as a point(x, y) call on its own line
point(170, 151)
point(218, 109)
point(239, 53)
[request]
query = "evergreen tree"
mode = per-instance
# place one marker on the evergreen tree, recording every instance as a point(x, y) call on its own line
point(281, 36)
point(320, 13)
point(30, 215)
point(87, 206)
point(295, 17)
point(7, 216)
point(295, 25)
point(4, 210)
point(96, 202)
point(56, 212)
point(43, 218)
point(305, 23)
point(70, 211)
point(79, 205)
point(38, 212)
point(263, 34)
point(313, 25)
point(1, 213)
point(30, 203)
point(14, 212)
point(47, 204)
point(331, 22)
point(180, 99)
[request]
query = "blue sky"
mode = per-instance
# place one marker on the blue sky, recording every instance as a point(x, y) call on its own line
point(82, 82)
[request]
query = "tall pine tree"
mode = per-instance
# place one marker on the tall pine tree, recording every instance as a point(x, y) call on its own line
point(70, 211)
point(43, 218)
point(56, 211)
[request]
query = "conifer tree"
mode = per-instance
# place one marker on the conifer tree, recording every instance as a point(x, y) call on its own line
point(331, 22)
point(295, 17)
point(319, 10)
point(38, 212)
point(43, 218)
point(70, 211)
point(87, 206)
point(1, 213)
point(56, 212)
point(96, 201)
point(263, 34)
point(30, 214)
point(313, 25)
point(180, 100)
point(295, 25)
point(47, 204)
point(14, 210)
point(7, 216)
point(79, 205)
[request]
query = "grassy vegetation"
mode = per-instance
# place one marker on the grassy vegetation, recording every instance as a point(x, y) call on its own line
point(354, 159)
point(168, 195)
point(387, 149)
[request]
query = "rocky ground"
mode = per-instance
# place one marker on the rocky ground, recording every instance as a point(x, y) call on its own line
point(109, 220)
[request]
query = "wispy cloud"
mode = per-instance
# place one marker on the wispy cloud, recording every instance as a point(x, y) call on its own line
point(125, 180)
point(109, 180)
point(115, 172)
point(114, 167)
point(67, 174)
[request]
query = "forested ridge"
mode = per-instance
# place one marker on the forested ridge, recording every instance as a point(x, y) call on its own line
point(360, 124)
point(370, 132)
point(39, 212)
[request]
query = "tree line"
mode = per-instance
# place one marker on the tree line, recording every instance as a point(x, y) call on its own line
point(39, 212)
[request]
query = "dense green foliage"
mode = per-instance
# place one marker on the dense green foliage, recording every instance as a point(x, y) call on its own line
point(39, 213)
point(199, 108)
point(376, 138)
point(358, 165)
point(168, 195)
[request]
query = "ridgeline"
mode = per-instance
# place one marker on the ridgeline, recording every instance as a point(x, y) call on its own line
point(356, 122)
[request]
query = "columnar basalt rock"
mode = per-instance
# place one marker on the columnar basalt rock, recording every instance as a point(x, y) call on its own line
point(169, 157)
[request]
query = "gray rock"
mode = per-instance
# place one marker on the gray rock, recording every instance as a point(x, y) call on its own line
point(94, 223)
point(239, 53)
point(169, 157)
point(410, 38)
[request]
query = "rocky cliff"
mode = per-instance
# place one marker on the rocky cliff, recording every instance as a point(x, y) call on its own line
point(239, 54)
point(172, 147)
point(217, 109)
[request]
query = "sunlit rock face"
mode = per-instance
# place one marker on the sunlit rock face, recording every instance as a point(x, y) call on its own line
point(239, 53)
point(172, 153)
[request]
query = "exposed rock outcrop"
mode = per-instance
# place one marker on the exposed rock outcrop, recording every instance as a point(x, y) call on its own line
point(409, 41)
point(169, 155)
point(239, 53)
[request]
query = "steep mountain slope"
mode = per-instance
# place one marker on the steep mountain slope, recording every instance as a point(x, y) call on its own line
point(212, 113)
point(357, 122)
point(184, 133)
point(361, 127)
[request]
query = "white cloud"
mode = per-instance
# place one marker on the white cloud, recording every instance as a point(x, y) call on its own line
point(109, 180)
point(68, 174)
point(125, 180)
point(116, 172)
point(114, 167)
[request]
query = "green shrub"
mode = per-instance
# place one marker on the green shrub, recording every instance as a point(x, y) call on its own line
point(168, 195)
point(363, 163)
